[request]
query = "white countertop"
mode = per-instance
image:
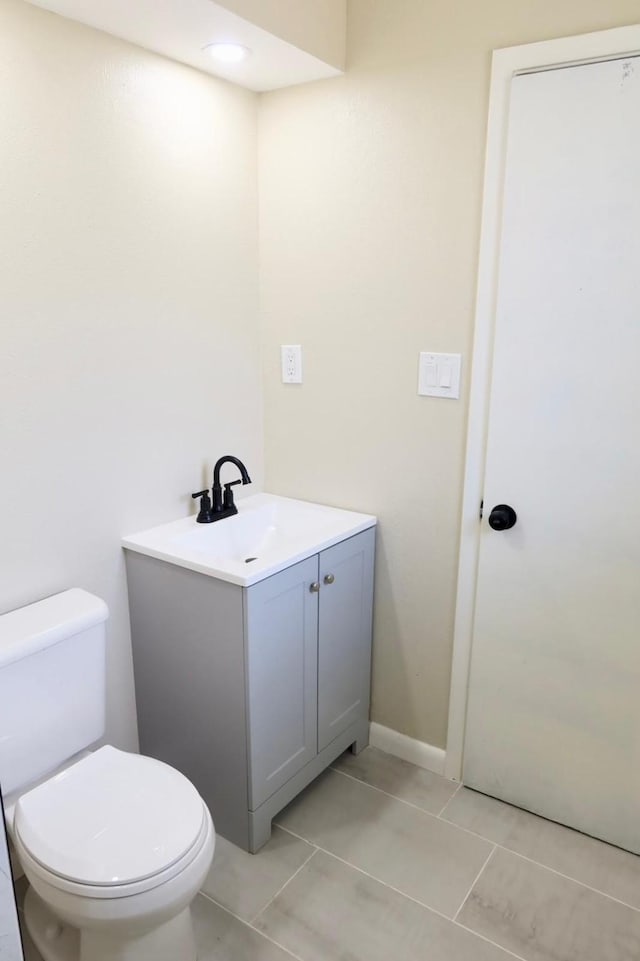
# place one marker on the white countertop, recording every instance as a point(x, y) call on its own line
point(268, 534)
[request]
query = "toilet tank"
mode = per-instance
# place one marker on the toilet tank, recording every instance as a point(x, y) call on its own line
point(52, 684)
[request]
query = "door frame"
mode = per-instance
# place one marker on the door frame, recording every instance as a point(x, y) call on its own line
point(533, 57)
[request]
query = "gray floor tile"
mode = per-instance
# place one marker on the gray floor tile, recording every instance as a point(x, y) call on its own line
point(406, 781)
point(221, 937)
point(10, 947)
point(9, 932)
point(592, 862)
point(244, 883)
point(544, 917)
point(421, 855)
point(330, 911)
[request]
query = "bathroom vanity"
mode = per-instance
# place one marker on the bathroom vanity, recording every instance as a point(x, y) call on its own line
point(252, 651)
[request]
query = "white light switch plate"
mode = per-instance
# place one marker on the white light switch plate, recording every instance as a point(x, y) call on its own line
point(291, 356)
point(439, 375)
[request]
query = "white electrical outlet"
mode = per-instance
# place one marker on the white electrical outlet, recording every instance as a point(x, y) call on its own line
point(291, 355)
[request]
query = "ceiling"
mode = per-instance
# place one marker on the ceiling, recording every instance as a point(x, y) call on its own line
point(179, 29)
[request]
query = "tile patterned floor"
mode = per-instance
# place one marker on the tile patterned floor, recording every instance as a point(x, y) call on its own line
point(381, 860)
point(9, 937)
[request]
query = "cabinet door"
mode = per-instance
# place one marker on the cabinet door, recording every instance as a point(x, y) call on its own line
point(281, 636)
point(344, 635)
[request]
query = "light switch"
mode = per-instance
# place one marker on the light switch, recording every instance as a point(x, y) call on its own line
point(439, 375)
point(444, 370)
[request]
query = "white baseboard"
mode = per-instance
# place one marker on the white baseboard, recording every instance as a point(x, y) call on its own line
point(417, 752)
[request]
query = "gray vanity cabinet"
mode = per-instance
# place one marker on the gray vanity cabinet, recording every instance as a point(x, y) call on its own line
point(344, 635)
point(281, 617)
point(253, 691)
point(308, 655)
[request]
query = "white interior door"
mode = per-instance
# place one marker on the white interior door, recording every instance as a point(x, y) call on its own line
point(553, 721)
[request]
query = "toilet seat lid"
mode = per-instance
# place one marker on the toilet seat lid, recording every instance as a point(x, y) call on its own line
point(112, 818)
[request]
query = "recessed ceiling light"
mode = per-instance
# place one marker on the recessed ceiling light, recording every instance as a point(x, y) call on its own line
point(227, 52)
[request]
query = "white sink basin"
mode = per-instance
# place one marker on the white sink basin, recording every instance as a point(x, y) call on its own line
point(266, 535)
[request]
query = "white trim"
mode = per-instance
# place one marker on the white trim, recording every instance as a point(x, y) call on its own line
point(405, 747)
point(565, 51)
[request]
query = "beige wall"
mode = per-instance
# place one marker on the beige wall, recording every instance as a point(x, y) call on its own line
point(370, 190)
point(317, 26)
point(128, 306)
point(128, 302)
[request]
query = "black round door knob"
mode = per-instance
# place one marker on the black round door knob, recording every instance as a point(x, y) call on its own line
point(502, 517)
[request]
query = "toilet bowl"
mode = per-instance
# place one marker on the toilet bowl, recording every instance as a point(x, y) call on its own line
point(115, 846)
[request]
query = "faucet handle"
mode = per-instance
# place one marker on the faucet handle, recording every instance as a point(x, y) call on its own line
point(205, 515)
point(228, 493)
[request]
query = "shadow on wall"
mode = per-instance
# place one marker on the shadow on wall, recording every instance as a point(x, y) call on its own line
point(391, 673)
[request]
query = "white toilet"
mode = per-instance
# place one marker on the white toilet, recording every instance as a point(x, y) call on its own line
point(115, 846)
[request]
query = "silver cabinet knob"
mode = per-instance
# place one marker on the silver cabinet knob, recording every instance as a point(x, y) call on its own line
point(314, 588)
point(329, 578)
